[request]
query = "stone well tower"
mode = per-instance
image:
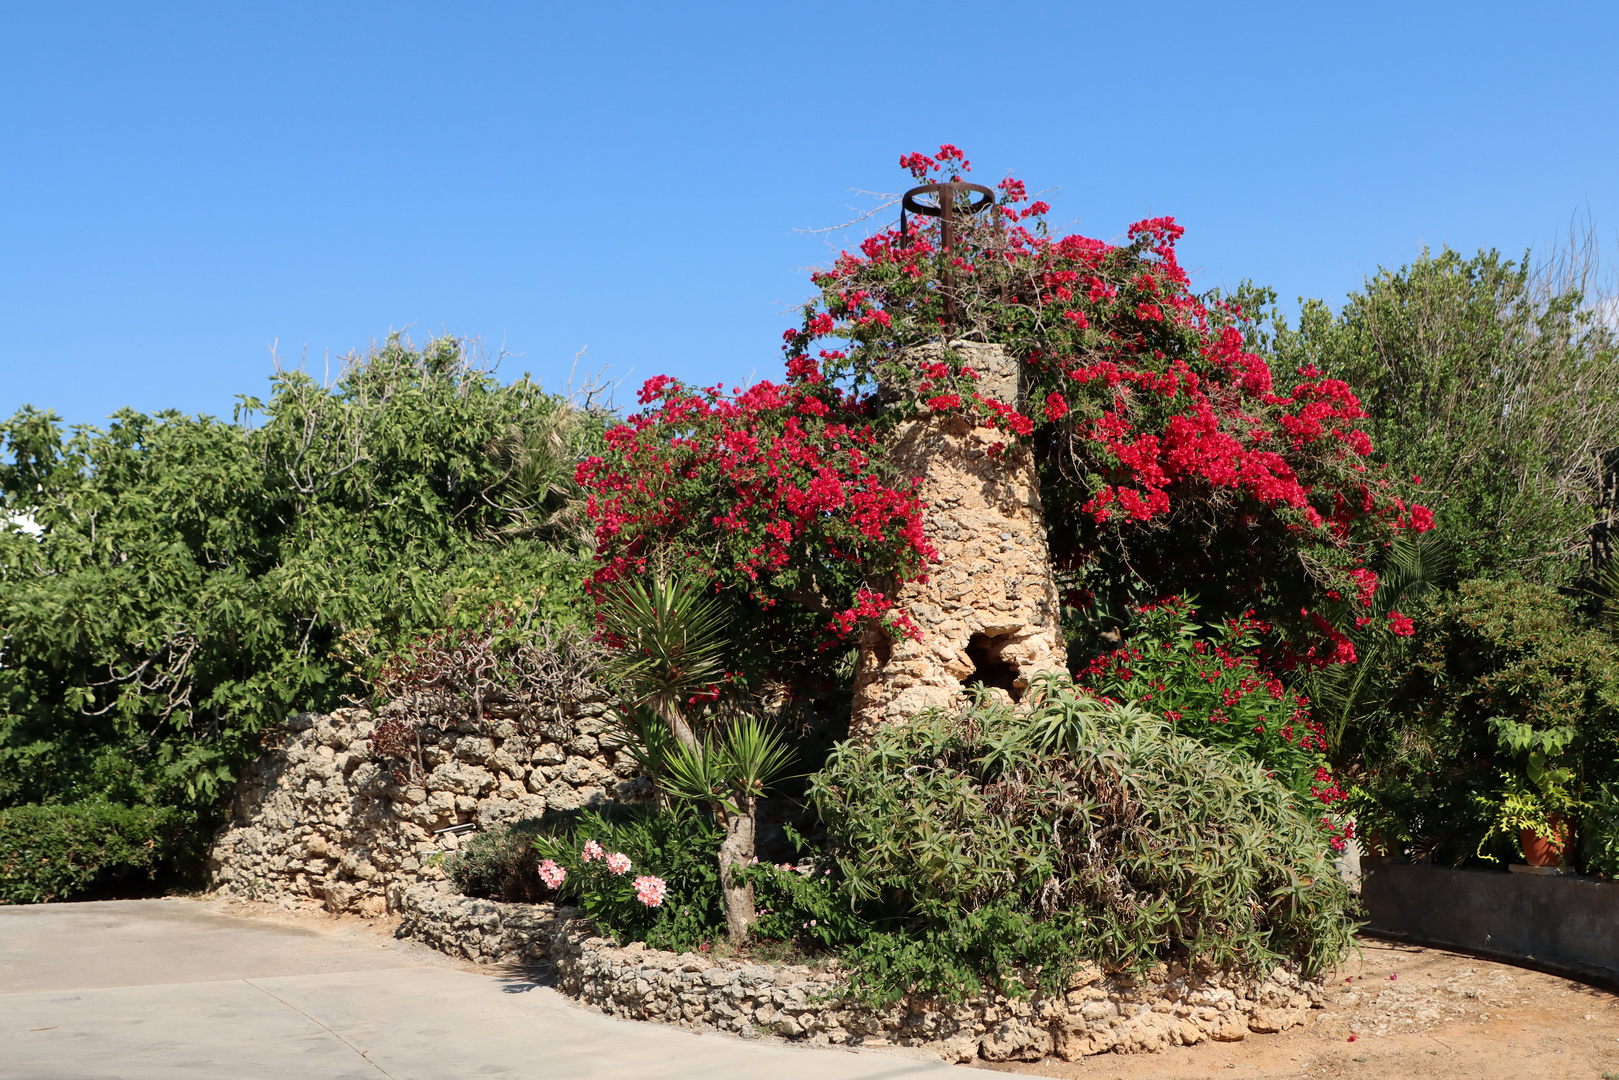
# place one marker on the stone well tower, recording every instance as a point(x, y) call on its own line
point(989, 611)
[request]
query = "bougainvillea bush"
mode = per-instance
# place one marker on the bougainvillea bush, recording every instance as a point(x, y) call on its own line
point(776, 495)
point(1172, 457)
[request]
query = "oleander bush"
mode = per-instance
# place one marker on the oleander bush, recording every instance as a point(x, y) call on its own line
point(1206, 680)
point(640, 873)
point(58, 852)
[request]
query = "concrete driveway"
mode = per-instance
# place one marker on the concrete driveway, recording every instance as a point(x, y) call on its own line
point(172, 988)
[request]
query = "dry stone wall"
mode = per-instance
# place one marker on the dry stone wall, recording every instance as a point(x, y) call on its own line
point(988, 612)
point(1095, 1014)
point(322, 821)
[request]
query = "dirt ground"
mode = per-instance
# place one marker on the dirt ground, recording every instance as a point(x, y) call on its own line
point(1404, 1011)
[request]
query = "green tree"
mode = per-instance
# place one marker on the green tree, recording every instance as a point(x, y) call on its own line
point(1493, 381)
point(196, 580)
point(1504, 693)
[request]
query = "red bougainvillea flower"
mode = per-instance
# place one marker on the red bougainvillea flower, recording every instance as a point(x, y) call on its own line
point(1144, 397)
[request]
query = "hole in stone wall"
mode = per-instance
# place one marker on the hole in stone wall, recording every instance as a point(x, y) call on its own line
point(989, 669)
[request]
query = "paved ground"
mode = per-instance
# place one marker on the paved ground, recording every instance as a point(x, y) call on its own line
point(161, 989)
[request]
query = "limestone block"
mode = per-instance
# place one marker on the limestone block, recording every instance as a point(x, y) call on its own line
point(583, 772)
point(475, 749)
point(561, 796)
point(461, 778)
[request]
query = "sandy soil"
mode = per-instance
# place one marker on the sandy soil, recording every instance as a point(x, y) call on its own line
point(1405, 1011)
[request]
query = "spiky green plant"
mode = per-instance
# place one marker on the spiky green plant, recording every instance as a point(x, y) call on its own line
point(669, 648)
point(1345, 697)
point(668, 645)
point(1005, 847)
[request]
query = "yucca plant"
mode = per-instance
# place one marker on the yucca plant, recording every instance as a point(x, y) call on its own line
point(669, 649)
point(668, 645)
point(729, 770)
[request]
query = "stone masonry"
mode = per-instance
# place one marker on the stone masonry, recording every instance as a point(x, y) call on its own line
point(1095, 1013)
point(988, 613)
point(321, 821)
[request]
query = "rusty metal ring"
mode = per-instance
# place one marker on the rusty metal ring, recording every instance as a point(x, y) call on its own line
point(909, 201)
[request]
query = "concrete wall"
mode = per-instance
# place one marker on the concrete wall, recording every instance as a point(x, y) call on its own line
point(1567, 925)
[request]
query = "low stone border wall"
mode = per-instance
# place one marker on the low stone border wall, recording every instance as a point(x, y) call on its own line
point(1098, 1012)
point(1560, 924)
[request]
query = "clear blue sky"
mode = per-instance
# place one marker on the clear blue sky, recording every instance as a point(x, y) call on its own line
point(184, 184)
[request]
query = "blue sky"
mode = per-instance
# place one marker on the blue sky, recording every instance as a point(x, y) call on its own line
point(185, 184)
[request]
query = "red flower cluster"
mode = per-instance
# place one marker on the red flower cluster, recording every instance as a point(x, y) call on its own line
point(1215, 688)
point(771, 492)
point(1134, 379)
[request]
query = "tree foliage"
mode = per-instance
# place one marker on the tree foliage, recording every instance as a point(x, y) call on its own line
point(1497, 385)
point(1505, 697)
point(195, 580)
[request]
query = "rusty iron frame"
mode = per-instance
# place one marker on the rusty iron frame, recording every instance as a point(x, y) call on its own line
point(949, 194)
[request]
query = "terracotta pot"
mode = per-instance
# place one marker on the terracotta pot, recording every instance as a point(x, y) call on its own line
point(1545, 851)
point(1373, 844)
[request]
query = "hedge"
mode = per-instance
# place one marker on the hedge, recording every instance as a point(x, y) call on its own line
point(56, 852)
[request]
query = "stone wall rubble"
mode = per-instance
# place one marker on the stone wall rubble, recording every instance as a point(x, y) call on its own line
point(1097, 1013)
point(988, 613)
point(322, 821)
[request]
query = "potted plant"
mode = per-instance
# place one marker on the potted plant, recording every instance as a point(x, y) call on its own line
point(1536, 811)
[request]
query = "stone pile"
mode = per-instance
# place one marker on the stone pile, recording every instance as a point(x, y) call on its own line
point(1096, 1013)
point(322, 820)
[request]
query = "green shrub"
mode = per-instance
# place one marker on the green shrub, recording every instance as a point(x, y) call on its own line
point(1599, 832)
point(58, 852)
point(1006, 847)
point(198, 581)
point(1506, 696)
point(679, 846)
point(1492, 379)
point(499, 864)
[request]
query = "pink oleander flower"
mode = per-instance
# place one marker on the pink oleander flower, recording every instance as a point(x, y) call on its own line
point(552, 874)
point(648, 890)
point(592, 850)
point(618, 863)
